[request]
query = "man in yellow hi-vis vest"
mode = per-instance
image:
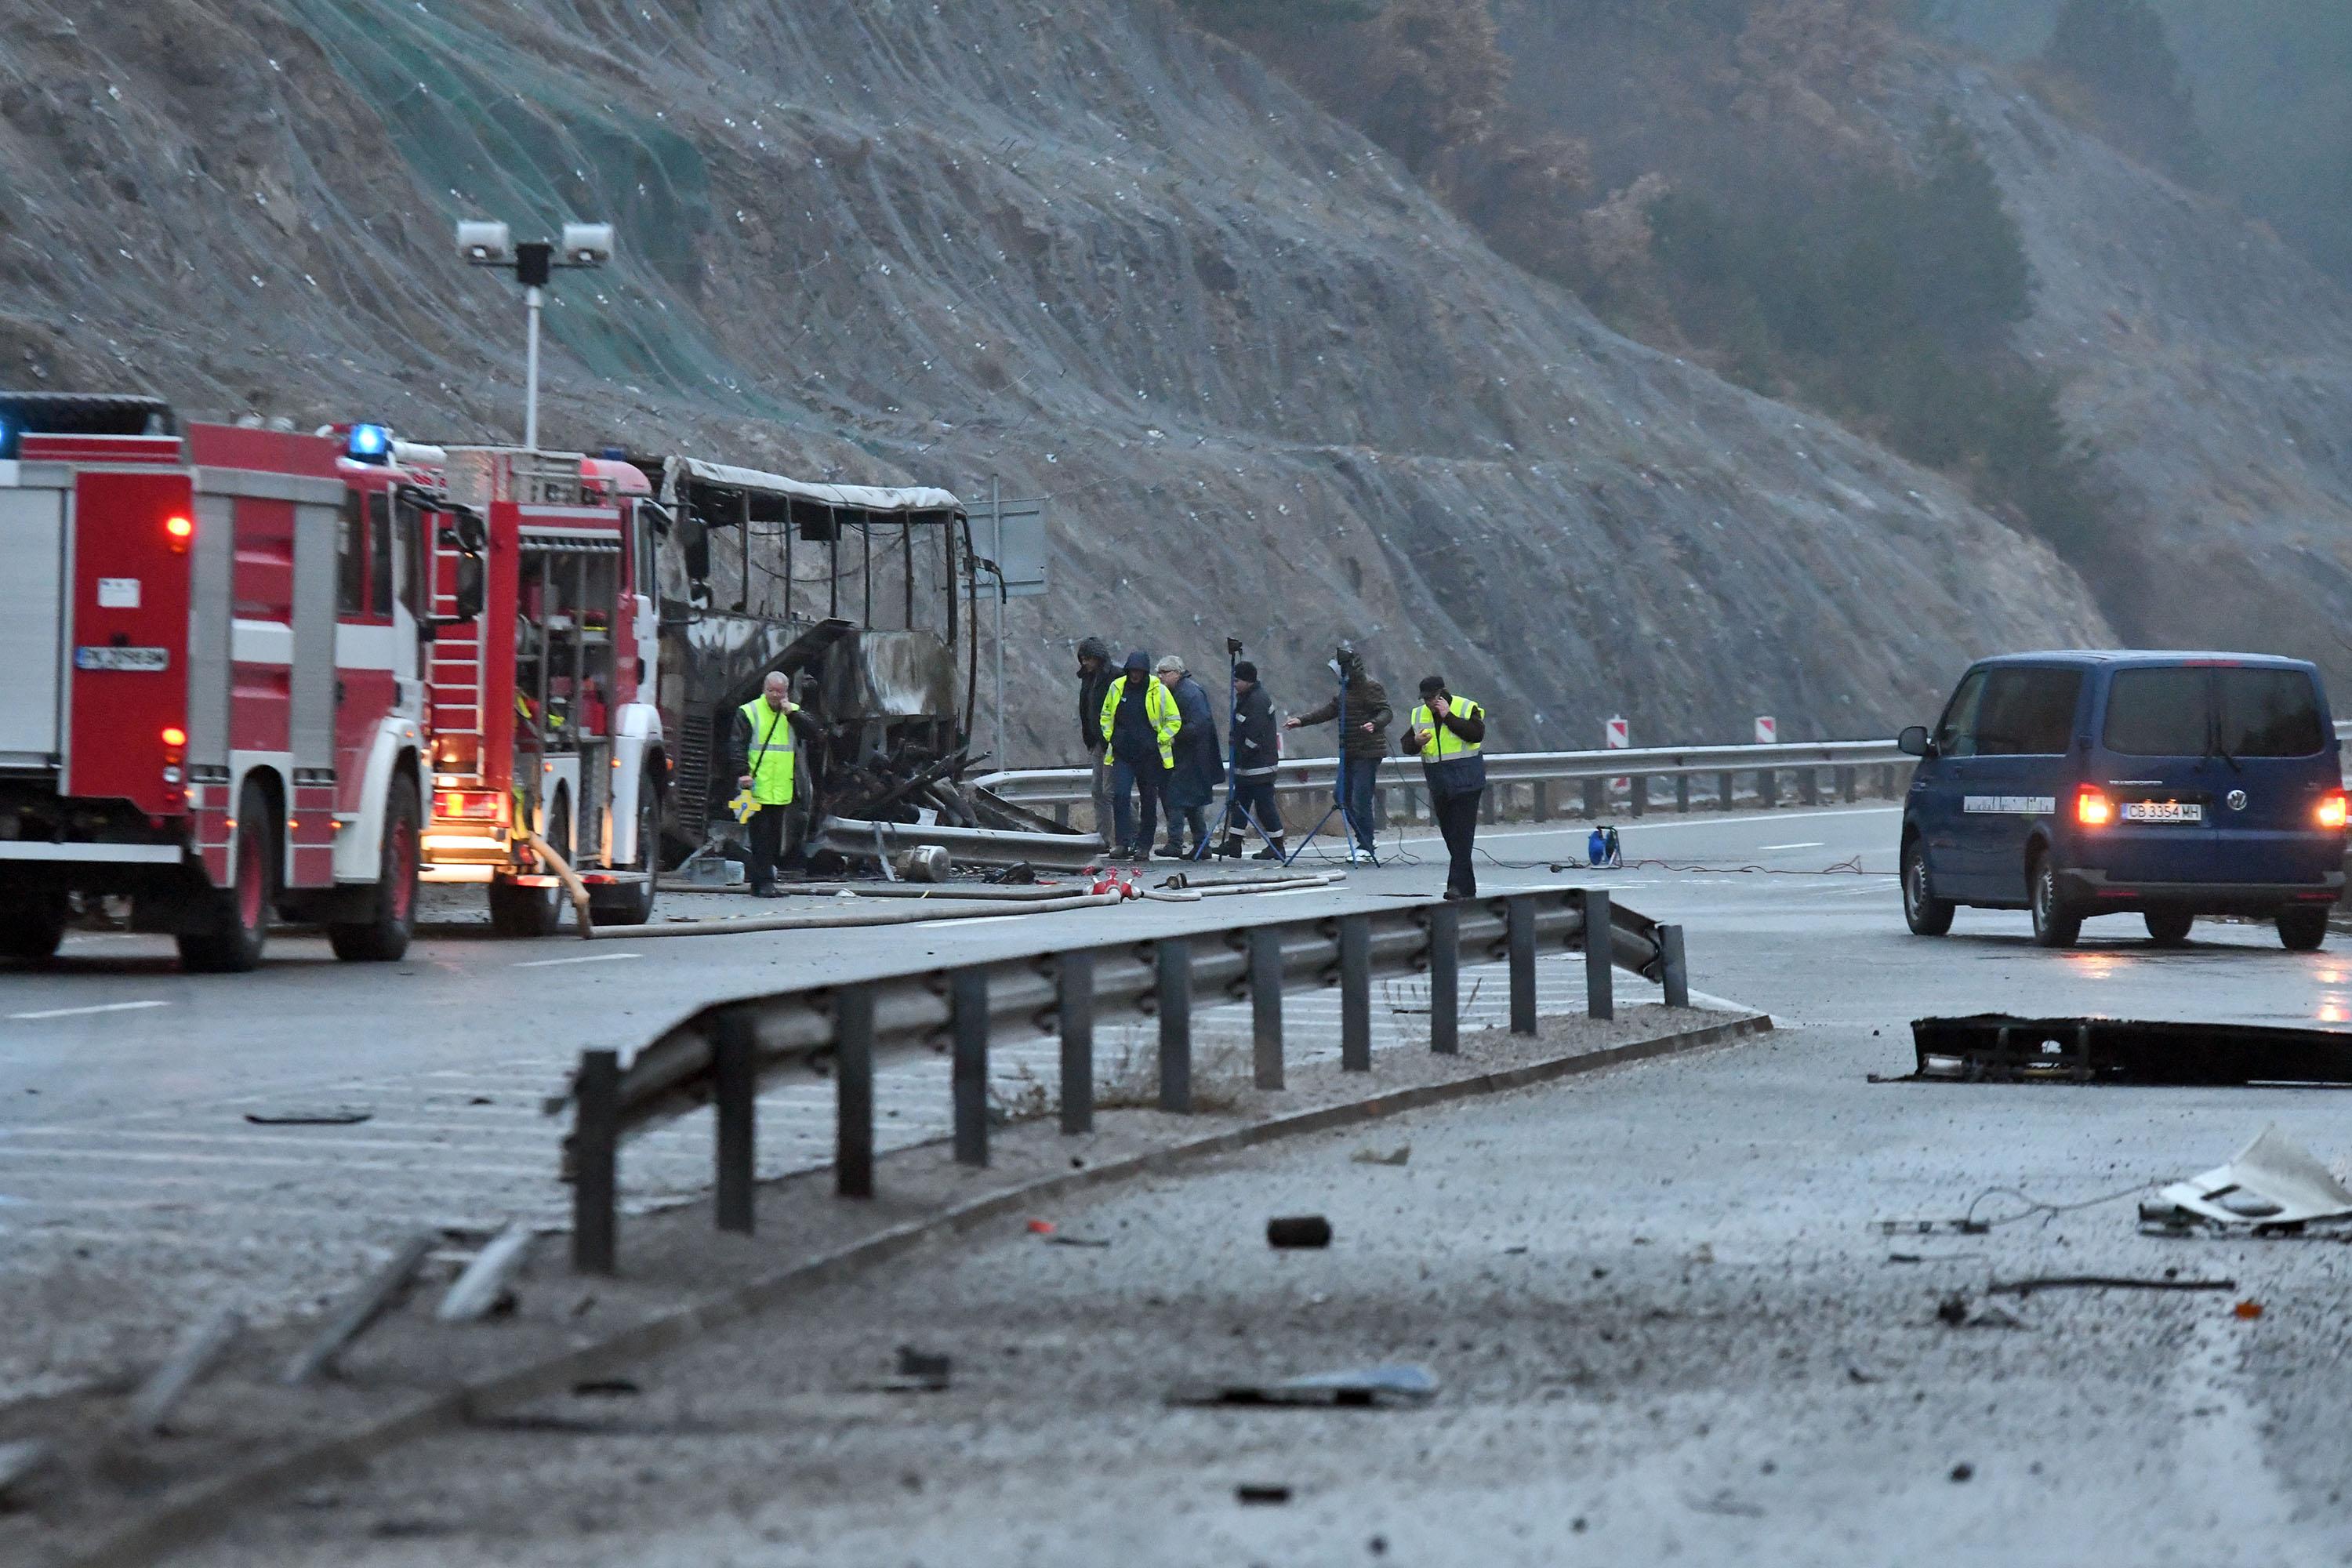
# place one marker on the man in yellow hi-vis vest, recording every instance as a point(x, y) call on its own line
point(762, 745)
point(1450, 734)
point(1138, 728)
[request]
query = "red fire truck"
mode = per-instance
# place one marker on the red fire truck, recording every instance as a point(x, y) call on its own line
point(252, 673)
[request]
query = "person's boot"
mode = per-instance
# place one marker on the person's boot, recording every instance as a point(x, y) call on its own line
point(1272, 851)
point(1230, 848)
point(1172, 850)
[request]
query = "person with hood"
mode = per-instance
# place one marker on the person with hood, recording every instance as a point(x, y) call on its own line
point(1139, 724)
point(1366, 741)
point(1257, 751)
point(1199, 767)
point(1449, 732)
point(1094, 685)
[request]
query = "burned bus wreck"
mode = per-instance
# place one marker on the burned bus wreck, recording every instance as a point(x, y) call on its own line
point(859, 594)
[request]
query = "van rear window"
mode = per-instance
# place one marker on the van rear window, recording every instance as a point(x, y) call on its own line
point(2268, 714)
point(2157, 713)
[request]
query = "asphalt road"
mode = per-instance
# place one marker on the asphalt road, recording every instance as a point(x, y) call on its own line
point(1664, 1318)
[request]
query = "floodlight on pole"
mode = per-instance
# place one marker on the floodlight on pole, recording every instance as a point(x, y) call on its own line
point(485, 243)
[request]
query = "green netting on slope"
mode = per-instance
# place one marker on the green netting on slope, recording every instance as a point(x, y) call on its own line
point(491, 131)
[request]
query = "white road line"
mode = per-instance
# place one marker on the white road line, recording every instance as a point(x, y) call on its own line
point(80, 1011)
point(1655, 823)
point(960, 921)
point(592, 958)
point(1816, 844)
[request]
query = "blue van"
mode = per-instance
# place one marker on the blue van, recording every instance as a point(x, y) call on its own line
point(2166, 784)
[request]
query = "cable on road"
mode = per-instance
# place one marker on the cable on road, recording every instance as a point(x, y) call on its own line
point(1850, 867)
point(2033, 1205)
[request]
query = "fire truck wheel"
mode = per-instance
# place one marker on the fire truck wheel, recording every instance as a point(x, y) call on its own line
point(632, 903)
point(32, 924)
point(384, 937)
point(239, 916)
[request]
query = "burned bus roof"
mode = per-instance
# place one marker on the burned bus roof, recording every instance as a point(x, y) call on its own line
point(849, 498)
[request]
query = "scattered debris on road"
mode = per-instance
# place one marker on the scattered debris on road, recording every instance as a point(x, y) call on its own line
point(1995, 1047)
point(1372, 1156)
point(2102, 1282)
point(2247, 1311)
point(20, 1460)
point(360, 1308)
point(1963, 1471)
point(1063, 1238)
point(2273, 1186)
point(487, 1282)
point(1298, 1230)
point(929, 1370)
point(1248, 1494)
point(1372, 1388)
point(327, 1116)
point(197, 1350)
point(1954, 1312)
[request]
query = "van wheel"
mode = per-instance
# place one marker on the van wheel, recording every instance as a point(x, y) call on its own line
point(32, 924)
point(2302, 929)
point(1925, 913)
point(2055, 922)
point(238, 917)
point(2169, 928)
point(384, 937)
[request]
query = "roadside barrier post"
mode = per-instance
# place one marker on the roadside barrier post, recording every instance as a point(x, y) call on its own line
point(1265, 1005)
point(1682, 793)
point(1174, 958)
point(852, 1142)
point(1846, 783)
point(1768, 788)
point(1677, 973)
point(1592, 800)
point(1540, 809)
point(1488, 812)
point(1600, 999)
point(1808, 786)
point(969, 998)
point(1639, 800)
point(1519, 932)
point(596, 1132)
point(1446, 979)
point(1726, 792)
point(1356, 993)
point(736, 1091)
point(1073, 1009)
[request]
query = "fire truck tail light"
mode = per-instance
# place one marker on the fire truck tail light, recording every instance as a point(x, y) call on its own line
point(180, 531)
point(2331, 812)
point(174, 736)
point(465, 805)
point(2092, 809)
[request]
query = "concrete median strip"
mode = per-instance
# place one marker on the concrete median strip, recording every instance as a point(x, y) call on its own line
point(1146, 1144)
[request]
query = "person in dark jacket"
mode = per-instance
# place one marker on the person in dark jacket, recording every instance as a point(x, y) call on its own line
point(1200, 766)
point(1093, 684)
point(1449, 734)
point(1363, 745)
point(1257, 751)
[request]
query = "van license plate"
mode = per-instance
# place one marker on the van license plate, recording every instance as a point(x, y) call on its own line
point(149, 659)
point(2163, 811)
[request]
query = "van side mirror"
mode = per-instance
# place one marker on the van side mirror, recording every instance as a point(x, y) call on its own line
point(1913, 742)
point(469, 590)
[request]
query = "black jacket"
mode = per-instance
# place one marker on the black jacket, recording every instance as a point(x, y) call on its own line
point(1092, 689)
point(1256, 747)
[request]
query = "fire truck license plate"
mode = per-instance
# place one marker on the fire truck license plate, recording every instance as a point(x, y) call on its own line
point(150, 660)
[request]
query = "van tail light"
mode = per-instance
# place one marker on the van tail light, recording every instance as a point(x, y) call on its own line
point(2093, 808)
point(2331, 811)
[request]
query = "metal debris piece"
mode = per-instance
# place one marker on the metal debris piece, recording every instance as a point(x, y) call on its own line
point(197, 1350)
point(326, 1116)
point(930, 1368)
point(1953, 1311)
point(1298, 1230)
point(1370, 1156)
point(1996, 1047)
point(865, 840)
point(486, 1279)
point(20, 1459)
point(1249, 1493)
point(359, 1310)
point(2101, 1282)
point(1063, 1238)
point(1370, 1387)
point(2272, 1184)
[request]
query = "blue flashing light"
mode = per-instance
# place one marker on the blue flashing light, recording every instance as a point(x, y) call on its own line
point(368, 443)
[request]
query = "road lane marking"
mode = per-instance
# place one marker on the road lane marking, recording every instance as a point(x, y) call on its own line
point(592, 958)
point(80, 1011)
point(960, 921)
point(1816, 844)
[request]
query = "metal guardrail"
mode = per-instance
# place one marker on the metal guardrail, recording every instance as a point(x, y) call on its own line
point(1064, 787)
point(718, 1056)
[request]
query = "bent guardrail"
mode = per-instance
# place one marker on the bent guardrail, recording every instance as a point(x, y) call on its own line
point(718, 1056)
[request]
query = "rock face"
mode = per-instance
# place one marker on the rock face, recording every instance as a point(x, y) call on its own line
point(1271, 389)
point(2212, 368)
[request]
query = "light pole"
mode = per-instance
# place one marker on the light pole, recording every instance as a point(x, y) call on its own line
point(535, 262)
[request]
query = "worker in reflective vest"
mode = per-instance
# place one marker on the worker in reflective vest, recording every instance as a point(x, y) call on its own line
point(1450, 733)
point(1138, 728)
point(764, 758)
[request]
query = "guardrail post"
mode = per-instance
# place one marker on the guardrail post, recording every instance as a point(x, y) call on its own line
point(1768, 788)
point(852, 1073)
point(1845, 784)
point(735, 1100)
point(969, 994)
point(1519, 933)
point(1640, 794)
point(1682, 792)
point(1174, 956)
point(1600, 999)
point(1265, 1005)
point(1808, 786)
point(1446, 979)
point(1677, 971)
point(1726, 792)
point(1592, 800)
point(1886, 790)
point(595, 1144)
point(1488, 812)
point(1062, 813)
point(1073, 1013)
point(1356, 993)
point(1539, 803)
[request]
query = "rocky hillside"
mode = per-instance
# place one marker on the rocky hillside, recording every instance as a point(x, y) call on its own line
point(2211, 366)
point(1271, 389)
